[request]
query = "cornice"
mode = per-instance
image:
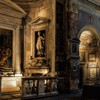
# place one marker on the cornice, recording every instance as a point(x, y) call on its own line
point(89, 7)
point(9, 20)
point(9, 5)
point(29, 3)
point(39, 20)
point(9, 12)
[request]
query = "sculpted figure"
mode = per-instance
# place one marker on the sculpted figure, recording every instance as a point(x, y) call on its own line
point(5, 57)
point(40, 45)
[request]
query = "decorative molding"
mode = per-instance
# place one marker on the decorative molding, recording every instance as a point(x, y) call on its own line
point(39, 20)
point(12, 5)
point(29, 4)
point(10, 12)
point(90, 8)
point(6, 26)
point(9, 20)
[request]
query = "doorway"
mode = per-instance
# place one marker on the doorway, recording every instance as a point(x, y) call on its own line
point(89, 57)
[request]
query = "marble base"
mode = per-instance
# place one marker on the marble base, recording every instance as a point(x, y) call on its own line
point(10, 84)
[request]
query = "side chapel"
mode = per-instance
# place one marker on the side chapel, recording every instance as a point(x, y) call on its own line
point(48, 47)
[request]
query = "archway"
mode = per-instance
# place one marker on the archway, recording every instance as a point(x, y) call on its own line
point(89, 56)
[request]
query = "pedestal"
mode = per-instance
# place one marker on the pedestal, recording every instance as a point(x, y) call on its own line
point(10, 84)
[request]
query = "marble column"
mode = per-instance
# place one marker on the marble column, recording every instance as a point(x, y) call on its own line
point(18, 51)
point(71, 9)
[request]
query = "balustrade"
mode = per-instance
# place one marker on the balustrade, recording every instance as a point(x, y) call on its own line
point(39, 86)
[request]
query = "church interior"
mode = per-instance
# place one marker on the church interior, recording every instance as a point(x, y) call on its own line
point(49, 48)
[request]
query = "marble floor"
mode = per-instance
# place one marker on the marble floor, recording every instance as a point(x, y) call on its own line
point(75, 96)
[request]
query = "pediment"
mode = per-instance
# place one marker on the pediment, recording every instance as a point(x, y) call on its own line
point(39, 20)
point(7, 7)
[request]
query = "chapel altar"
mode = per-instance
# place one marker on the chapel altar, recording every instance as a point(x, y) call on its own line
point(10, 45)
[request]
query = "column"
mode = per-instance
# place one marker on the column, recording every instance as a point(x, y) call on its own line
point(53, 43)
point(73, 18)
point(18, 51)
point(72, 43)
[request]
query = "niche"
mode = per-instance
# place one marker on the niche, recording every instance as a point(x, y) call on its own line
point(5, 49)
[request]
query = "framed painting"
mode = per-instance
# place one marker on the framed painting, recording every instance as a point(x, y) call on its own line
point(91, 57)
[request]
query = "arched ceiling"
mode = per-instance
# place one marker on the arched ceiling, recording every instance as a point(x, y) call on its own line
point(88, 39)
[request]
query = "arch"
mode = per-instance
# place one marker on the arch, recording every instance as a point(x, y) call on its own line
point(87, 50)
point(91, 29)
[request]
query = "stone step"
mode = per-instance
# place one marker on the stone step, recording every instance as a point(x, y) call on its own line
point(12, 96)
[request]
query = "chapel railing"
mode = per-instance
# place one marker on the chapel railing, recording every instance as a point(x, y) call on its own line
point(38, 86)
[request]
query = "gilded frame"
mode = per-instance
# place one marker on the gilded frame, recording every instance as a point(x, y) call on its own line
point(91, 57)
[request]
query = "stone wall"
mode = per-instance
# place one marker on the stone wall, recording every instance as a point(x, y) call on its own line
point(72, 43)
point(44, 9)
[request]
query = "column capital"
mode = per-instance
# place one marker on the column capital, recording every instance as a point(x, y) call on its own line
point(17, 26)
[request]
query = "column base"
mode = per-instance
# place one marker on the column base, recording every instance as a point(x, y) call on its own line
point(18, 74)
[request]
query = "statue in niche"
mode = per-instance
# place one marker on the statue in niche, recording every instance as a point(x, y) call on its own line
point(40, 44)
